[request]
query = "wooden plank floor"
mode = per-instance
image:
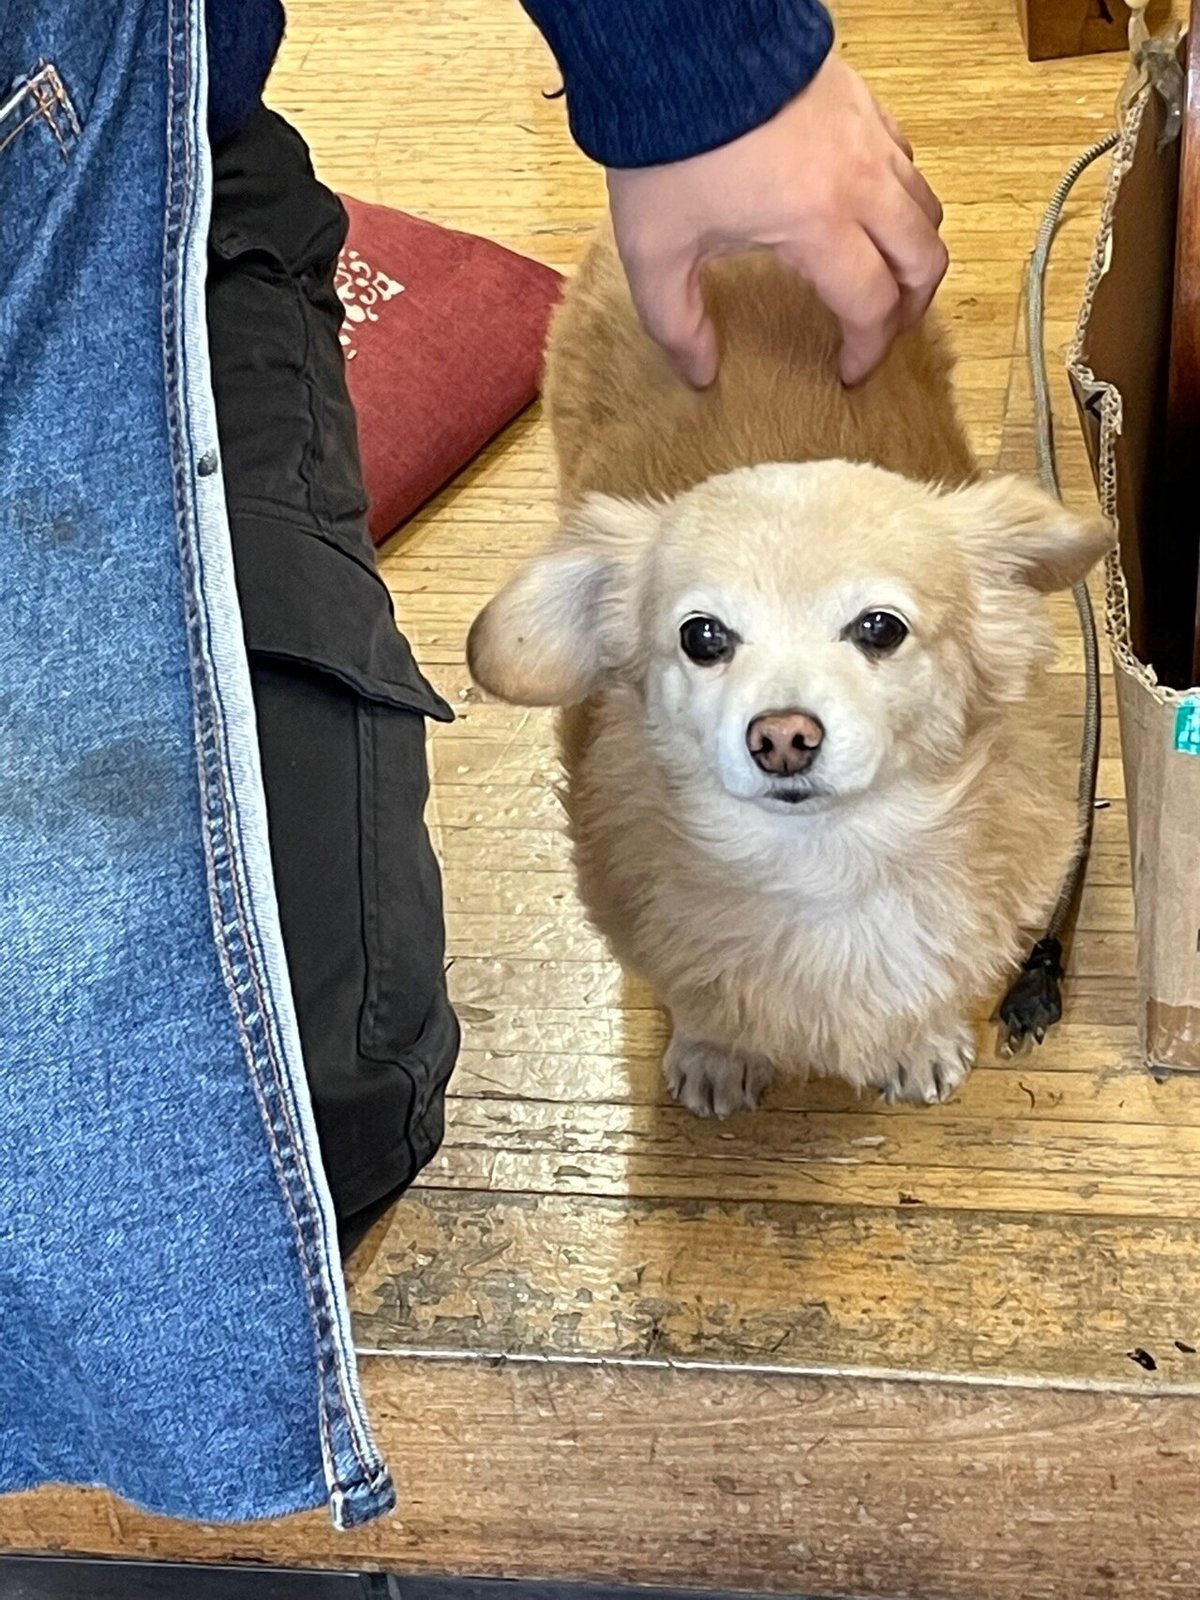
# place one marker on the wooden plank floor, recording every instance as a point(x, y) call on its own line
point(830, 1347)
point(1038, 1226)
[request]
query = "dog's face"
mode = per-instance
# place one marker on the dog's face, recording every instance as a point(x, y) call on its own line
point(799, 635)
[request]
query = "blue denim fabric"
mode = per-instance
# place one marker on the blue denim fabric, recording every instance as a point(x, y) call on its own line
point(172, 1323)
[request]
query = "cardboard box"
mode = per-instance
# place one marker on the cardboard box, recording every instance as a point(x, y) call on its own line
point(1118, 368)
point(1055, 28)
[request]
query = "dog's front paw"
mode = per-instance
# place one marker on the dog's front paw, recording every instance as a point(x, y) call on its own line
point(711, 1083)
point(934, 1069)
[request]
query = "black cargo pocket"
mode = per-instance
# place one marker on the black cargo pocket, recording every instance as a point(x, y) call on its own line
point(305, 599)
point(343, 711)
point(403, 919)
point(406, 1021)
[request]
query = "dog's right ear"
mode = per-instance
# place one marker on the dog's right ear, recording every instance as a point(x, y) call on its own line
point(570, 615)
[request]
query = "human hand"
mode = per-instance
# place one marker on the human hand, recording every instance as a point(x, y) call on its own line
point(828, 186)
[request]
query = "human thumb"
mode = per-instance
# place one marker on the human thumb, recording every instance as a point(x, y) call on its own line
point(670, 303)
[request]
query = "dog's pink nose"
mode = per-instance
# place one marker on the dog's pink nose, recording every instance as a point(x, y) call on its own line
point(784, 743)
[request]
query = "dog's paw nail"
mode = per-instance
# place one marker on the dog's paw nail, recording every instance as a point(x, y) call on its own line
point(711, 1084)
point(932, 1074)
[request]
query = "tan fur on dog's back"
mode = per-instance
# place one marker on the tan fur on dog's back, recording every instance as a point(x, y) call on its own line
point(623, 424)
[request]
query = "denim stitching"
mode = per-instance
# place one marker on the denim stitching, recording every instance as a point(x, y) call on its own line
point(59, 90)
point(291, 1143)
point(49, 95)
point(246, 985)
point(314, 1258)
point(285, 1140)
point(34, 116)
point(324, 1319)
point(41, 92)
point(218, 851)
point(215, 854)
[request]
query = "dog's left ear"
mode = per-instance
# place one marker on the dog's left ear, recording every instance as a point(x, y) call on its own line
point(571, 614)
point(1023, 534)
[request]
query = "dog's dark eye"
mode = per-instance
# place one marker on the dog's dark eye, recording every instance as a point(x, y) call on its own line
point(706, 641)
point(878, 632)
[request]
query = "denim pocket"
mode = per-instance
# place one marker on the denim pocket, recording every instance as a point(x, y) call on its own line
point(39, 128)
point(39, 105)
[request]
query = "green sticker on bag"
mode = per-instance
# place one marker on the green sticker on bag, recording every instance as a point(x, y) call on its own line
point(1187, 727)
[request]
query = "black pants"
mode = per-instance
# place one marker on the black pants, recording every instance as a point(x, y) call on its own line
point(341, 704)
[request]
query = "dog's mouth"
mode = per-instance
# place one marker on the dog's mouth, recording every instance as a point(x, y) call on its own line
point(791, 797)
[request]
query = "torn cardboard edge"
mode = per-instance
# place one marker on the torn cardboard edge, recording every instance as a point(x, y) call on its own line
point(1117, 366)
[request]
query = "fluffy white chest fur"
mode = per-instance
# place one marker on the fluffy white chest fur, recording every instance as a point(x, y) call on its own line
point(812, 787)
point(856, 941)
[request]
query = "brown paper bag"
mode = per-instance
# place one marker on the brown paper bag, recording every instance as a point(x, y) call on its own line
point(1118, 369)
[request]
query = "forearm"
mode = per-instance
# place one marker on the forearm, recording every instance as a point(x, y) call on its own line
point(655, 81)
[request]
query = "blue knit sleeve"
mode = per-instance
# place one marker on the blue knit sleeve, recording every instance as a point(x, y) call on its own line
point(243, 38)
point(652, 81)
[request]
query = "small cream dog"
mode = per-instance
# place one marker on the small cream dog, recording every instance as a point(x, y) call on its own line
point(813, 796)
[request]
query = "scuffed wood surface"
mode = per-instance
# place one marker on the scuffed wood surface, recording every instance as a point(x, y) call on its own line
point(860, 1159)
point(813, 1287)
point(794, 1485)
